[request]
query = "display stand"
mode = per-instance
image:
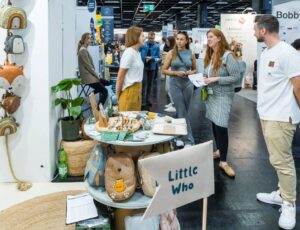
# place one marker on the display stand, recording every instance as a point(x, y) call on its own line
point(138, 200)
point(113, 73)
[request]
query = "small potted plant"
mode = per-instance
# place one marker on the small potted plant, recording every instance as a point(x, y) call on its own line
point(70, 124)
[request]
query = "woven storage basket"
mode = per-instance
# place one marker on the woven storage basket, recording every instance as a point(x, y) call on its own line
point(78, 153)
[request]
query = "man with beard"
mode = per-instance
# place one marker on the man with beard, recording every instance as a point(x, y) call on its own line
point(278, 108)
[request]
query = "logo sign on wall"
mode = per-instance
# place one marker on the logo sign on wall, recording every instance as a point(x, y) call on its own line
point(183, 176)
point(288, 15)
point(91, 5)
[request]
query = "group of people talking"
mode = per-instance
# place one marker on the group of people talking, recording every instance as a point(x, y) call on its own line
point(278, 94)
point(178, 64)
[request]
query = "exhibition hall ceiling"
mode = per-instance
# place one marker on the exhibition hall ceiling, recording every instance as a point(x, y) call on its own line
point(131, 12)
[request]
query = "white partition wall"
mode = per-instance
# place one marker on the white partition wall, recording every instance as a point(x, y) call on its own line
point(288, 14)
point(30, 146)
point(49, 57)
point(239, 27)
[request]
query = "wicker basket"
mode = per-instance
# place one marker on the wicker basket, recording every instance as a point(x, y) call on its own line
point(78, 153)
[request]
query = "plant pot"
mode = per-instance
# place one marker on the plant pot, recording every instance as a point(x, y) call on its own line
point(70, 129)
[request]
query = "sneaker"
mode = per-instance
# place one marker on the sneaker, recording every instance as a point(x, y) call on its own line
point(179, 143)
point(170, 109)
point(187, 146)
point(287, 219)
point(169, 105)
point(270, 198)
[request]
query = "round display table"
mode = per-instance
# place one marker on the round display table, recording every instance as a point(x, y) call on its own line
point(138, 201)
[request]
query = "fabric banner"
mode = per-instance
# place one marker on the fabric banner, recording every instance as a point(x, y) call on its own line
point(183, 176)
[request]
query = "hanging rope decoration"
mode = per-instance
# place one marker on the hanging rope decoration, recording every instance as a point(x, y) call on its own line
point(11, 77)
point(21, 185)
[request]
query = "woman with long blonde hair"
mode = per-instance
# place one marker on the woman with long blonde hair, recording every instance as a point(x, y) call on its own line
point(222, 72)
point(130, 75)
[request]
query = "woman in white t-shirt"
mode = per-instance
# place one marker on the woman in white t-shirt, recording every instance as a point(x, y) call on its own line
point(130, 76)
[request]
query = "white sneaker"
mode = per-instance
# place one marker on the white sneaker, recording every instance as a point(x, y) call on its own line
point(170, 109)
point(169, 105)
point(287, 219)
point(270, 198)
point(179, 143)
point(187, 146)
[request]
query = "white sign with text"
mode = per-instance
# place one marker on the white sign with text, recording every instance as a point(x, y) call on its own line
point(183, 176)
point(239, 27)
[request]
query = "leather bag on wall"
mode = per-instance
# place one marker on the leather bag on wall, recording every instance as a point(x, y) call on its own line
point(10, 102)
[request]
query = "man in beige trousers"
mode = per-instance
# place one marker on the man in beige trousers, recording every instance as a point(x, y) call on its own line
point(279, 111)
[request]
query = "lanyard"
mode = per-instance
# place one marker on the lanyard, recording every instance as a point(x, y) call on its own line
point(209, 68)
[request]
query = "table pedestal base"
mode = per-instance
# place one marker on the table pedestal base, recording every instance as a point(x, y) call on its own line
point(120, 214)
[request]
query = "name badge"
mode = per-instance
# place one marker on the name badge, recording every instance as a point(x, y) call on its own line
point(271, 63)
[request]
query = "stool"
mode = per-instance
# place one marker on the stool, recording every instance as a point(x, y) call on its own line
point(85, 90)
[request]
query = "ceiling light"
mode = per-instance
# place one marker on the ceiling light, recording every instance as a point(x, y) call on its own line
point(220, 2)
point(157, 11)
point(210, 7)
point(145, 2)
point(213, 11)
point(111, 2)
point(185, 2)
point(116, 7)
point(177, 7)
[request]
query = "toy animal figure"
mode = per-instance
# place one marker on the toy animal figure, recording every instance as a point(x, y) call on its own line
point(120, 178)
point(11, 76)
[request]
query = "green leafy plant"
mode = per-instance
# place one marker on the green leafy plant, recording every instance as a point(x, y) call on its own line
point(73, 106)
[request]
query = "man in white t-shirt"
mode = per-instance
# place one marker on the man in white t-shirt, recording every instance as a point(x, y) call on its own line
point(279, 111)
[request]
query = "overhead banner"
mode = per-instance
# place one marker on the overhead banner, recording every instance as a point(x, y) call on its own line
point(288, 15)
point(183, 176)
point(107, 28)
point(239, 28)
point(91, 4)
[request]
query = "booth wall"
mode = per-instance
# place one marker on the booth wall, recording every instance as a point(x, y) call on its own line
point(49, 57)
point(30, 146)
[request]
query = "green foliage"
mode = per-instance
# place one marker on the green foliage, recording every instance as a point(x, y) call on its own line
point(73, 106)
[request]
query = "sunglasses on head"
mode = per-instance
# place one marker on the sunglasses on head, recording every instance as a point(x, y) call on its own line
point(182, 32)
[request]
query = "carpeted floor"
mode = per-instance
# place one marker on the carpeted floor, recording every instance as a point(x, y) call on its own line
point(44, 212)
